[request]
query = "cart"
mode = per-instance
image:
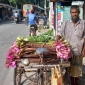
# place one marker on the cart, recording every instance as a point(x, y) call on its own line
point(35, 68)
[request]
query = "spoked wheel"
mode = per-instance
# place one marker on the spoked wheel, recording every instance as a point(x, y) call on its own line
point(26, 21)
point(43, 77)
point(40, 77)
point(17, 76)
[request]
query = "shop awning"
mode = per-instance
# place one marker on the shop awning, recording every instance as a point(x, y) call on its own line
point(72, 0)
point(65, 0)
point(56, 14)
point(6, 5)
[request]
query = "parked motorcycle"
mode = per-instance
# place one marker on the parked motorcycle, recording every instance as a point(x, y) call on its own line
point(20, 16)
point(16, 20)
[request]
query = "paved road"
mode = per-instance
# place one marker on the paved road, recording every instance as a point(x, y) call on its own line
point(8, 32)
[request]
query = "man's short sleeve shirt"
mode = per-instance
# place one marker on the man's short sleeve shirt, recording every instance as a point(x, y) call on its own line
point(31, 19)
point(74, 34)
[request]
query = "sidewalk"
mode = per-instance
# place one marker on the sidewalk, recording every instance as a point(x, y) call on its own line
point(4, 21)
point(42, 31)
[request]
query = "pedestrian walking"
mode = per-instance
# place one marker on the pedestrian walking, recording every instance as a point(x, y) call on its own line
point(27, 12)
point(45, 21)
point(37, 20)
point(26, 17)
point(74, 32)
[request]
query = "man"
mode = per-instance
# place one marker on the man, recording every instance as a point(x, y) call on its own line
point(26, 17)
point(45, 21)
point(32, 23)
point(16, 15)
point(27, 12)
point(74, 32)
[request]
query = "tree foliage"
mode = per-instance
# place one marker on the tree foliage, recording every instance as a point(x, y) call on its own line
point(4, 1)
point(21, 2)
point(13, 1)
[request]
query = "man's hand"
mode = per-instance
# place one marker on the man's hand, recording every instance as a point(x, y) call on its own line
point(83, 52)
point(58, 37)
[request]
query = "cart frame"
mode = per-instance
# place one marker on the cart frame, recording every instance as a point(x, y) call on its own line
point(41, 68)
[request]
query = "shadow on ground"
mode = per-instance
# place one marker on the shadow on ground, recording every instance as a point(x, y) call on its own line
point(82, 79)
point(4, 22)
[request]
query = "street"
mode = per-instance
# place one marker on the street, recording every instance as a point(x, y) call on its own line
point(9, 31)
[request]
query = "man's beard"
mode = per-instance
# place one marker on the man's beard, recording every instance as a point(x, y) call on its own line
point(75, 20)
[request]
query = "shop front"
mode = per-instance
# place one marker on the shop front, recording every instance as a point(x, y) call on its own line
point(60, 12)
point(5, 11)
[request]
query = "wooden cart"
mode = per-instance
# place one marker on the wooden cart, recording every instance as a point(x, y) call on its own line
point(34, 65)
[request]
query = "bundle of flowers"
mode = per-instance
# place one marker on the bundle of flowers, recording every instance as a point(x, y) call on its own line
point(63, 49)
point(11, 55)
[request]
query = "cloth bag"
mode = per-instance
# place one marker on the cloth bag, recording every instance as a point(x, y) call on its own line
point(56, 77)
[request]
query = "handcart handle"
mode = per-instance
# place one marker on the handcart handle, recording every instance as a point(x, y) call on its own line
point(50, 66)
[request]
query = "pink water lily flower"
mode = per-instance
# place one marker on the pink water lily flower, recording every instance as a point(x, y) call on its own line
point(11, 55)
point(63, 51)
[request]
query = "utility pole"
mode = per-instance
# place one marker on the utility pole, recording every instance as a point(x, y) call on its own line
point(39, 2)
point(45, 7)
point(35, 2)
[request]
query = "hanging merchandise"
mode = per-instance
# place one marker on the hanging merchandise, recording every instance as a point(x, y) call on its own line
point(52, 18)
point(56, 77)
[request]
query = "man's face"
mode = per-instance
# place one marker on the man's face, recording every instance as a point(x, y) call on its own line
point(74, 15)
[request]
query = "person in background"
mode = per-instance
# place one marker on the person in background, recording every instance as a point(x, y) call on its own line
point(45, 21)
point(27, 12)
point(3, 14)
point(21, 15)
point(73, 31)
point(37, 20)
point(16, 15)
point(32, 18)
point(6, 17)
point(26, 17)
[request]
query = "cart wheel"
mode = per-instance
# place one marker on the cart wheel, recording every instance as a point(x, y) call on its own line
point(26, 21)
point(43, 77)
point(40, 77)
point(17, 76)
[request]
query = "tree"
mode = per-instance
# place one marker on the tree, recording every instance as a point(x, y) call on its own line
point(21, 2)
point(14, 2)
point(4, 1)
point(18, 2)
